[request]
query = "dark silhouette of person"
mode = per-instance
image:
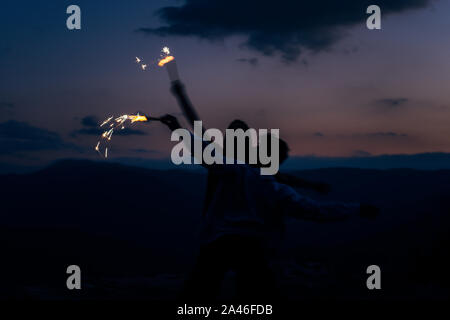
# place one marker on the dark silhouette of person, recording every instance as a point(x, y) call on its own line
point(243, 219)
point(191, 115)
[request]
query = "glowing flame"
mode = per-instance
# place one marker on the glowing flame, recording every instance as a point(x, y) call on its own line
point(137, 118)
point(166, 60)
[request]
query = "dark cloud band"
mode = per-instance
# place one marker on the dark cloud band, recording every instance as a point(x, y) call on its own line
point(91, 127)
point(18, 136)
point(284, 27)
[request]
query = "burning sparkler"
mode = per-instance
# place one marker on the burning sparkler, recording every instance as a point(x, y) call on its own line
point(166, 60)
point(169, 61)
point(116, 124)
point(119, 123)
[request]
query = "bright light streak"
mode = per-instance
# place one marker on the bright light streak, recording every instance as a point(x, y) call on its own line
point(166, 60)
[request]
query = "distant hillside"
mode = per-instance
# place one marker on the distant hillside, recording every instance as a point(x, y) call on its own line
point(123, 221)
point(421, 161)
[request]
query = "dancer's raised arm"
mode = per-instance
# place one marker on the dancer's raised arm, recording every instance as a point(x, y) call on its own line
point(185, 104)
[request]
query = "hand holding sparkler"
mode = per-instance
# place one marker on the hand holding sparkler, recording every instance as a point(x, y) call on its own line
point(170, 121)
point(184, 102)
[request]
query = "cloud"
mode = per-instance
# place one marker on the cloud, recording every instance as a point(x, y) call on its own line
point(391, 103)
point(99, 131)
point(18, 136)
point(91, 127)
point(87, 131)
point(252, 61)
point(8, 105)
point(130, 132)
point(90, 121)
point(284, 27)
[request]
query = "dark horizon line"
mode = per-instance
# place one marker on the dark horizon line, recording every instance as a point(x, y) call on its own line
point(418, 161)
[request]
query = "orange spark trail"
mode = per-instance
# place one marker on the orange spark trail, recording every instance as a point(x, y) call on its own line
point(166, 60)
point(116, 124)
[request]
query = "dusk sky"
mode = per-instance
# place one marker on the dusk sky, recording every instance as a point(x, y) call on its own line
point(310, 68)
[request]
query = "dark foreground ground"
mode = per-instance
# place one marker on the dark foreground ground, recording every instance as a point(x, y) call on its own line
point(134, 231)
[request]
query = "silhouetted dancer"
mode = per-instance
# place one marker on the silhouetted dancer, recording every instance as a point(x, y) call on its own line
point(191, 115)
point(244, 218)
